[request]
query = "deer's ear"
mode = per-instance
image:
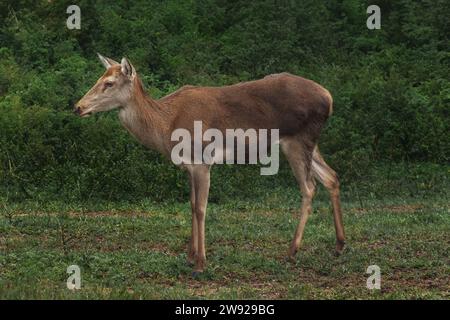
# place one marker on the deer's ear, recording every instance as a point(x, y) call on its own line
point(107, 62)
point(127, 68)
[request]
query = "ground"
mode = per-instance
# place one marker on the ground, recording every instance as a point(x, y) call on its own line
point(138, 250)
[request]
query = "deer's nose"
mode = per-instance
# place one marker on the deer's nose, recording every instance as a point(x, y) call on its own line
point(77, 110)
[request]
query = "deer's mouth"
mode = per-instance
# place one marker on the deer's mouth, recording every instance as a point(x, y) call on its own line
point(82, 113)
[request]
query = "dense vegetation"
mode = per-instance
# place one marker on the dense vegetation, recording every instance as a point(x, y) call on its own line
point(390, 86)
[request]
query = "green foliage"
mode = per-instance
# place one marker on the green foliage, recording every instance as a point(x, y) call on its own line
point(391, 88)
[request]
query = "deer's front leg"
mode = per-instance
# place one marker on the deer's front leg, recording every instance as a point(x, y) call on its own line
point(193, 244)
point(201, 183)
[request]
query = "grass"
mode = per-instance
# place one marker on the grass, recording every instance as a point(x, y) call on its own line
point(138, 250)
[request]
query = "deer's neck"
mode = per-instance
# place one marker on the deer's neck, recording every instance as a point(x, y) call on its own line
point(146, 119)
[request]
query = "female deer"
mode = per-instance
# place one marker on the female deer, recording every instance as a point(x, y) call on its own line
point(297, 107)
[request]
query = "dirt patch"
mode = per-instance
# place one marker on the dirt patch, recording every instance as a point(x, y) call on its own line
point(404, 208)
point(76, 214)
point(404, 279)
point(407, 208)
point(264, 289)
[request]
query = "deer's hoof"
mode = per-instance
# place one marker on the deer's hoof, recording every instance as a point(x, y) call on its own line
point(190, 262)
point(291, 254)
point(290, 259)
point(339, 248)
point(196, 274)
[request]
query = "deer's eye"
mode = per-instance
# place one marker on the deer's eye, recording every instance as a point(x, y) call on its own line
point(109, 84)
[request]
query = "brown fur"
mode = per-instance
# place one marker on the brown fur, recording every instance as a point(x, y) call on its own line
point(296, 106)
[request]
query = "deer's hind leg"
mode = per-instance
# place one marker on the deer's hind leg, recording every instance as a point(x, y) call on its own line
point(299, 155)
point(329, 179)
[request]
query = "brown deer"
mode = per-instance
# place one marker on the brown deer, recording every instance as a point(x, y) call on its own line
point(297, 107)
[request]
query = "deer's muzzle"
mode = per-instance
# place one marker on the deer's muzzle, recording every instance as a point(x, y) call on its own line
point(77, 110)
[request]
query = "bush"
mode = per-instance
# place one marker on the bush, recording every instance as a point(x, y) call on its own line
point(390, 87)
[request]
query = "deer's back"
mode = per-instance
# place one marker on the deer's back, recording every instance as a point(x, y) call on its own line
point(279, 101)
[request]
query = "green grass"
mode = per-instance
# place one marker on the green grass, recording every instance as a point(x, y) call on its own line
point(138, 250)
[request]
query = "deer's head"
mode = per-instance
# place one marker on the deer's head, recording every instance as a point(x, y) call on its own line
point(111, 91)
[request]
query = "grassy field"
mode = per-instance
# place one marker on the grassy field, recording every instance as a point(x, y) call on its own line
point(137, 250)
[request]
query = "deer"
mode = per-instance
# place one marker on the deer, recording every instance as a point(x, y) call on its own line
point(297, 107)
